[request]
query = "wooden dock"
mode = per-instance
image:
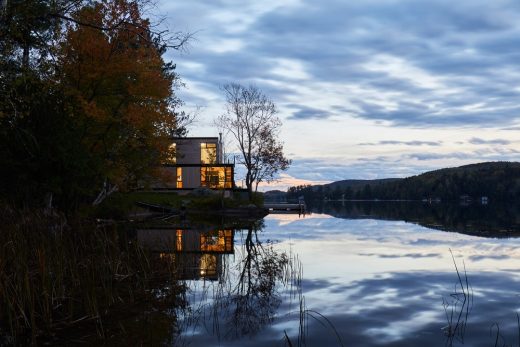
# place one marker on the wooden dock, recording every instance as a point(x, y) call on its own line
point(285, 207)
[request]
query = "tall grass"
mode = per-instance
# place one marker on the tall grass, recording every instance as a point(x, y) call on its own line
point(458, 307)
point(57, 274)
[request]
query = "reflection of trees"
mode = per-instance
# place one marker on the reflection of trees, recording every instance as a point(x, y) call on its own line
point(254, 300)
point(483, 220)
point(248, 295)
point(246, 292)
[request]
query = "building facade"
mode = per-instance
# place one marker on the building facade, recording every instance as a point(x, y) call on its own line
point(198, 162)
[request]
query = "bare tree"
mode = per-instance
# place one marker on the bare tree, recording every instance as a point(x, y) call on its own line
point(251, 119)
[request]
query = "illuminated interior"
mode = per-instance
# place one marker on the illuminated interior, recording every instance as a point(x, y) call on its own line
point(217, 241)
point(179, 177)
point(208, 153)
point(172, 154)
point(178, 240)
point(208, 265)
point(216, 177)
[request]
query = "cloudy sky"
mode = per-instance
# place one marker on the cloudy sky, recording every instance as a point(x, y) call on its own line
point(365, 88)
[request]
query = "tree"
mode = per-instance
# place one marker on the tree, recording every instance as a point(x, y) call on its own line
point(123, 92)
point(251, 119)
point(86, 101)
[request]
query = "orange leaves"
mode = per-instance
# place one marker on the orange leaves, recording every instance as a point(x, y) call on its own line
point(121, 84)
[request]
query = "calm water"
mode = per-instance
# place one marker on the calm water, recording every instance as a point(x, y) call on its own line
point(361, 278)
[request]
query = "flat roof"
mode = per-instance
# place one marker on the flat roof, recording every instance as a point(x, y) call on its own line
point(196, 138)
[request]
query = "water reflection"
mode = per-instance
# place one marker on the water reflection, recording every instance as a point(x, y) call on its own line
point(236, 287)
point(405, 309)
point(195, 253)
point(252, 300)
point(382, 283)
point(493, 220)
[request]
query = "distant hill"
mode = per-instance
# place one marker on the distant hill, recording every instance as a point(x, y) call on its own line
point(495, 180)
point(275, 196)
point(359, 184)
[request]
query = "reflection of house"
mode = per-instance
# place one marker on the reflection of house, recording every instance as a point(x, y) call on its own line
point(198, 162)
point(195, 254)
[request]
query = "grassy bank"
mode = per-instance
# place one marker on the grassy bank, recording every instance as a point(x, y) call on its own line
point(57, 275)
point(120, 205)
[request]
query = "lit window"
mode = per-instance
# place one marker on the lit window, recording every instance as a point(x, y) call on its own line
point(208, 265)
point(216, 177)
point(208, 153)
point(172, 154)
point(179, 177)
point(212, 242)
point(178, 243)
point(217, 241)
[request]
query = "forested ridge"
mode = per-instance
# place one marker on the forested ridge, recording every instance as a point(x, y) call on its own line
point(495, 180)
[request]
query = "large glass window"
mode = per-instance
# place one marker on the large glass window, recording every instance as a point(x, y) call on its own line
point(172, 154)
point(179, 177)
point(178, 240)
point(216, 177)
point(208, 153)
point(208, 265)
point(217, 241)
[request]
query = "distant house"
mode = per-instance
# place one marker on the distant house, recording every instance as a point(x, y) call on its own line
point(465, 199)
point(198, 163)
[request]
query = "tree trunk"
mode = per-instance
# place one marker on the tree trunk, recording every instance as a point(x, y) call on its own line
point(249, 191)
point(249, 186)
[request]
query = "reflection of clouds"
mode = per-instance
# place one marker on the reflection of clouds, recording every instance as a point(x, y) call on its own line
point(283, 219)
point(407, 255)
point(413, 241)
point(489, 256)
point(357, 249)
point(405, 309)
point(381, 283)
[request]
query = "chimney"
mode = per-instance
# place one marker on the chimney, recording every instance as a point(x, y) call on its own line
point(220, 149)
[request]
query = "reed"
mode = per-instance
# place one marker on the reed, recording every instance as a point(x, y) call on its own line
point(58, 273)
point(458, 307)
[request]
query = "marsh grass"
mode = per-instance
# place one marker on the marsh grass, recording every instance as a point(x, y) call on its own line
point(458, 307)
point(57, 275)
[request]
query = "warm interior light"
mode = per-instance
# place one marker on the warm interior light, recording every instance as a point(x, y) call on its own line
point(208, 153)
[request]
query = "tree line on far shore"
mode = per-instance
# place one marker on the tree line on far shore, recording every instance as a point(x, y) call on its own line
point(496, 181)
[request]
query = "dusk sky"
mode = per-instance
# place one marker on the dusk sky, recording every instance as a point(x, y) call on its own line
point(365, 89)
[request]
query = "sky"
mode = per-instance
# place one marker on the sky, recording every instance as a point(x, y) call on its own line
point(365, 88)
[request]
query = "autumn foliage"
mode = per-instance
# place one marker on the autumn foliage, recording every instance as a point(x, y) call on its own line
point(102, 101)
point(122, 88)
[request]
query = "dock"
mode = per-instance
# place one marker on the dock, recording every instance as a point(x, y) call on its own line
point(285, 207)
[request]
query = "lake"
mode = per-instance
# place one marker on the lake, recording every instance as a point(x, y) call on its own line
point(353, 274)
